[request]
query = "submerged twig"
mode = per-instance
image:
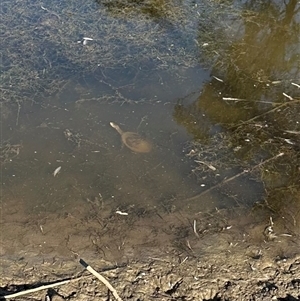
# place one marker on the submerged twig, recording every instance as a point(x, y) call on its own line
point(293, 132)
point(296, 85)
point(232, 178)
point(56, 171)
point(288, 96)
point(207, 164)
point(195, 228)
point(293, 101)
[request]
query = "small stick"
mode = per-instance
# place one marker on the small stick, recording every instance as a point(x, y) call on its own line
point(208, 165)
point(293, 132)
point(33, 290)
point(288, 96)
point(232, 98)
point(218, 79)
point(293, 101)
point(195, 228)
point(101, 278)
point(195, 197)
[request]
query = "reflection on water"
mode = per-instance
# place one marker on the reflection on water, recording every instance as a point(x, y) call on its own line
point(229, 140)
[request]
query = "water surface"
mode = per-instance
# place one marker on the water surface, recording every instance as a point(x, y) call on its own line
point(215, 87)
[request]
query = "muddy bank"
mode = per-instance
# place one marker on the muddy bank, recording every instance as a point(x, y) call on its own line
point(168, 277)
point(150, 254)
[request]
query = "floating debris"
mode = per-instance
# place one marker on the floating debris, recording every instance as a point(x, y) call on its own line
point(293, 132)
point(207, 164)
point(288, 96)
point(85, 40)
point(289, 141)
point(56, 171)
point(218, 79)
point(121, 213)
point(296, 85)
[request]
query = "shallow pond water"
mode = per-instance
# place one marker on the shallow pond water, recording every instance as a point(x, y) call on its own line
point(211, 90)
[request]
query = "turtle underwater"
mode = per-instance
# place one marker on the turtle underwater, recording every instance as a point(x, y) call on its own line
point(133, 140)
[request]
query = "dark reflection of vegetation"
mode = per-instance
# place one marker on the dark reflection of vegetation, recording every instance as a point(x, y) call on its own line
point(258, 122)
point(266, 51)
point(192, 120)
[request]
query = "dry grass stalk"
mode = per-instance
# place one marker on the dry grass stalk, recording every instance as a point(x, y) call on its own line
point(101, 278)
point(33, 290)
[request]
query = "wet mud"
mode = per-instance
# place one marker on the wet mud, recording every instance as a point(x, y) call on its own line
point(149, 254)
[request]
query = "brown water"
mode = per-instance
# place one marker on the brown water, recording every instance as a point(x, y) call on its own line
point(93, 160)
point(206, 103)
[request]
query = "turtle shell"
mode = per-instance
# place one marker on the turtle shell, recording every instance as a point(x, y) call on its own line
point(136, 143)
